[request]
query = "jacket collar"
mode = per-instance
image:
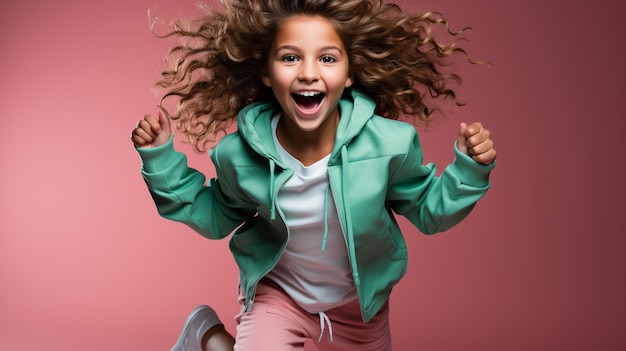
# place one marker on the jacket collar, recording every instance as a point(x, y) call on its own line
point(253, 123)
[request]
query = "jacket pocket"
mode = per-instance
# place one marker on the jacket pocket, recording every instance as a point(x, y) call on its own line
point(255, 247)
point(245, 235)
point(394, 245)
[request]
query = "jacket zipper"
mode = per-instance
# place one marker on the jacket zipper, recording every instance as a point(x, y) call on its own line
point(250, 301)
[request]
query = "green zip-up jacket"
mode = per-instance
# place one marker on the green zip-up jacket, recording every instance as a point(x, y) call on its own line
point(374, 170)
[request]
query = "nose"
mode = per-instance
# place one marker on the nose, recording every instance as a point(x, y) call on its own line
point(308, 71)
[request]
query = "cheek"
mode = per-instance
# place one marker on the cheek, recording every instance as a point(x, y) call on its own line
point(341, 82)
point(280, 84)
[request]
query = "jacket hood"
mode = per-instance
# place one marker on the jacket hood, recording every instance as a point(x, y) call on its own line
point(253, 123)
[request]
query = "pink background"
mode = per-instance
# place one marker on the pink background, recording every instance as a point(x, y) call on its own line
point(87, 264)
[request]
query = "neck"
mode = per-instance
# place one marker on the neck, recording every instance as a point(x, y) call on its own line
point(307, 147)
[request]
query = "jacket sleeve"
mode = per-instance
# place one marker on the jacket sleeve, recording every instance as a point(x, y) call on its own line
point(434, 204)
point(180, 194)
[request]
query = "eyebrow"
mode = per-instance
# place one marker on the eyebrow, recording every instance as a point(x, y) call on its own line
point(295, 48)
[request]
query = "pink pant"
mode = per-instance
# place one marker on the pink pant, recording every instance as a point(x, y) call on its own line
point(277, 323)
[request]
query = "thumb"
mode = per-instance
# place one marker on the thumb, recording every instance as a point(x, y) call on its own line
point(164, 122)
point(461, 142)
point(163, 135)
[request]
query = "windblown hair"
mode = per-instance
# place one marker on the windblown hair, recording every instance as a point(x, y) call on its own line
point(216, 69)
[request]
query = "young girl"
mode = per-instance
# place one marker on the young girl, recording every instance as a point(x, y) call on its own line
point(319, 164)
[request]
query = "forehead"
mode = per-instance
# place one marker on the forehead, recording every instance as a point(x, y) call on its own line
point(310, 30)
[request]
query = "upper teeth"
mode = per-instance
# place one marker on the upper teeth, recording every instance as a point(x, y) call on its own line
point(308, 93)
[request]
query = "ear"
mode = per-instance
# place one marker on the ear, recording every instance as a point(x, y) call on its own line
point(349, 80)
point(266, 79)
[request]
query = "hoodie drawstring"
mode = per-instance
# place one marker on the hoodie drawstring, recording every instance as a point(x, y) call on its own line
point(326, 199)
point(325, 320)
point(272, 199)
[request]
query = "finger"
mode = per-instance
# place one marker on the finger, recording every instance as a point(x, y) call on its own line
point(473, 129)
point(478, 138)
point(486, 158)
point(461, 142)
point(147, 127)
point(153, 123)
point(484, 152)
point(146, 135)
point(139, 141)
point(482, 147)
point(462, 129)
point(164, 122)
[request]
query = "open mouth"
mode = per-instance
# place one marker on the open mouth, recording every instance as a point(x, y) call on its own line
point(308, 100)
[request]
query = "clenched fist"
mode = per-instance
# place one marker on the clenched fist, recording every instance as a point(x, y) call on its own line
point(151, 131)
point(475, 141)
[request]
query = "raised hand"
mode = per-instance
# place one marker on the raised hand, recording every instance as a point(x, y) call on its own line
point(474, 140)
point(151, 131)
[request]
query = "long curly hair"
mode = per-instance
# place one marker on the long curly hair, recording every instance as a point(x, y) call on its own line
point(216, 68)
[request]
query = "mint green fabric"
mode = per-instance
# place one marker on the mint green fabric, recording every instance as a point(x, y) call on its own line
point(375, 169)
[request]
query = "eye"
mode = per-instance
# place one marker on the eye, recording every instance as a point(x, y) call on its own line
point(328, 59)
point(290, 58)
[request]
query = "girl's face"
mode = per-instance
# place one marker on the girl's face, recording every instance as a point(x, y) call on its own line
point(308, 72)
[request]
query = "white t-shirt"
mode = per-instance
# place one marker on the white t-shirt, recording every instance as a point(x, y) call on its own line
point(316, 280)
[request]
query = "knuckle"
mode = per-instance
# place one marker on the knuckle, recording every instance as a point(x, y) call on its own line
point(480, 158)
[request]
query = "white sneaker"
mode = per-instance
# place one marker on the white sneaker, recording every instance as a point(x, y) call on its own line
point(200, 320)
